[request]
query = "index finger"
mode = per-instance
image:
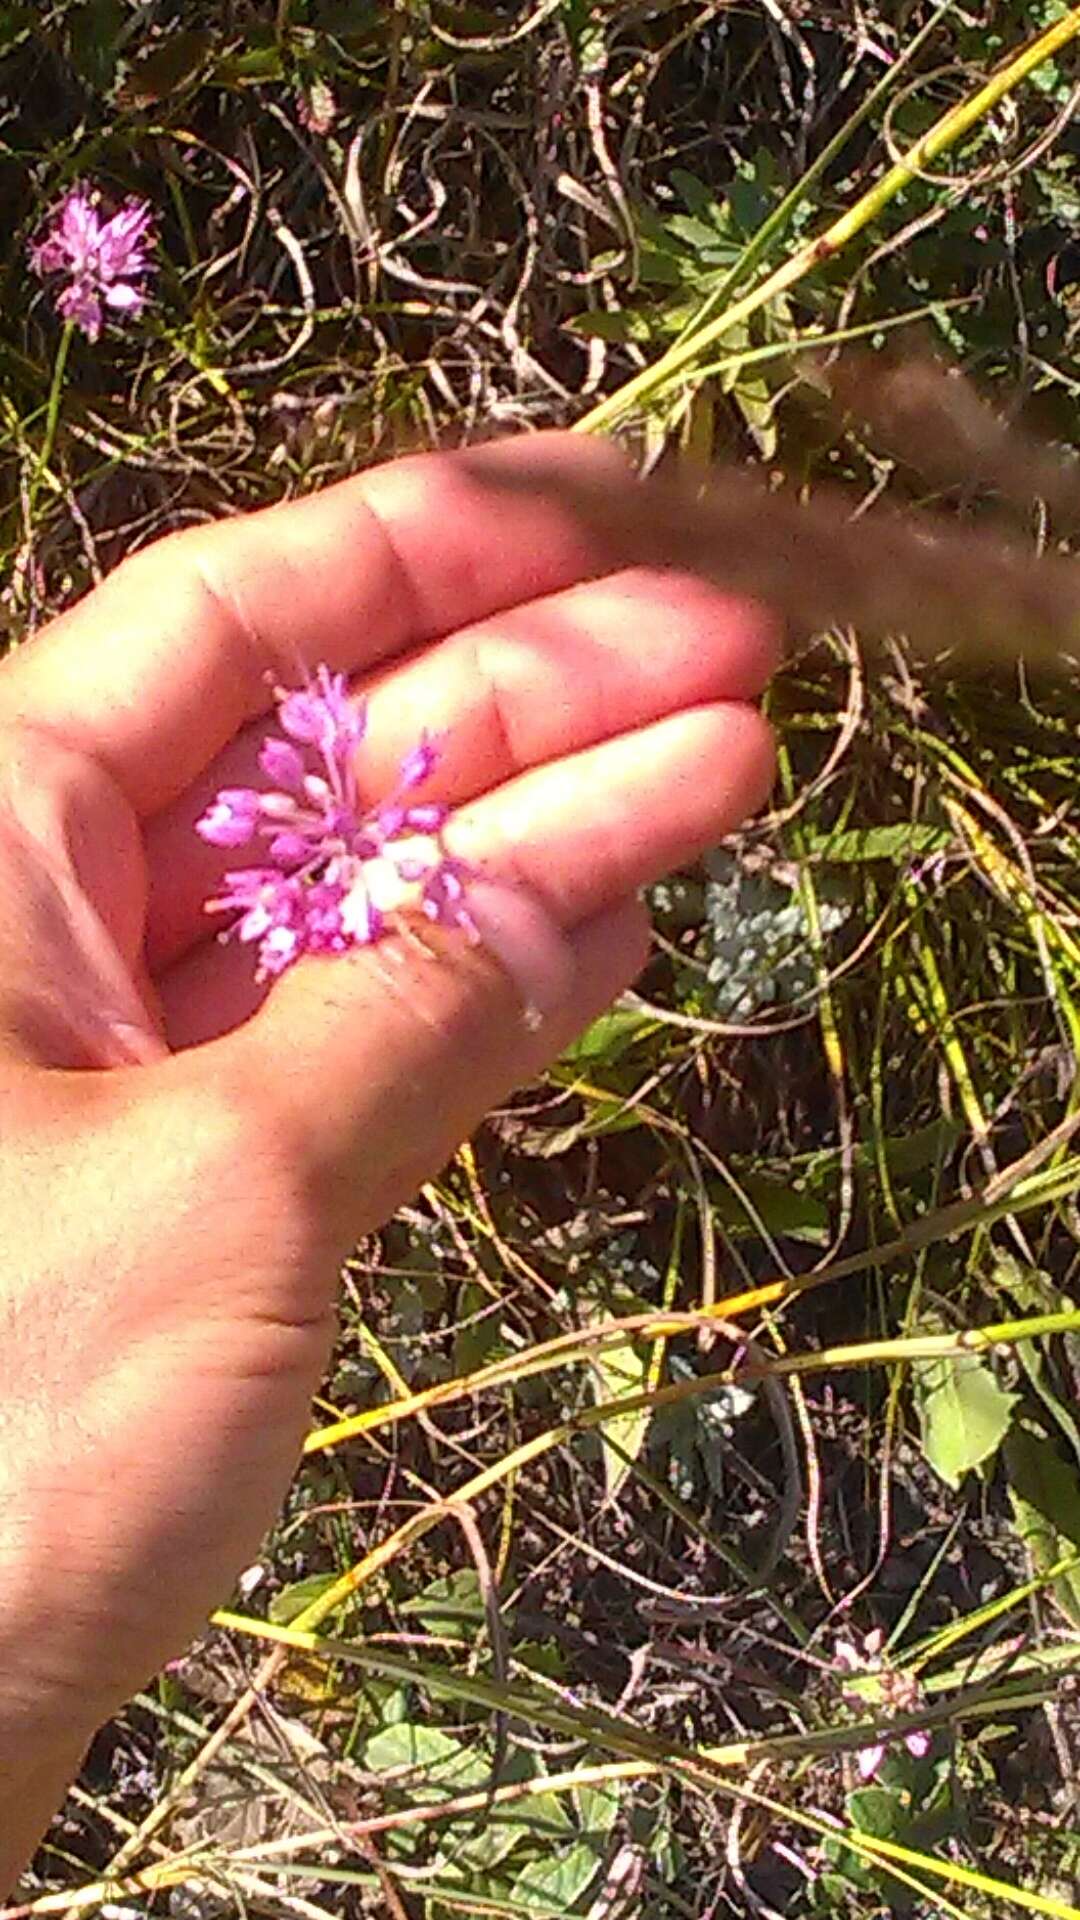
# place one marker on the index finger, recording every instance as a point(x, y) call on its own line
point(153, 673)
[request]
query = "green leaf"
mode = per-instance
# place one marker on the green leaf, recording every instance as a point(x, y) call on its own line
point(15, 23)
point(697, 197)
point(610, 1036)
point(1044, 1490)
point(291, 1601)
point(477, 1328)
point(174, 64)
point(965, 1414)
point(598, 1810)
point(1032, 1289)
point(622, 1370)
point(701, 235)
point(555, 1882)
point(861, 844)
point(449, 1604)
point(783, 1208)
point(558, 1880)
point(877, 1812)
point(617, 325)
point(258, 60)
point(617, 1372)
point(95, 31)
point(585, 30)
point(442, 1765)
point(615, 1115)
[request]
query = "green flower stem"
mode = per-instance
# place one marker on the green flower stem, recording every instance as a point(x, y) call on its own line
point(52, 421)
point(771, 229)
point(944, 134)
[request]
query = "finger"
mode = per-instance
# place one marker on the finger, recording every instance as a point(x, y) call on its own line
point(154, 672)
point(582, 832)
point(531, 684)
point(575, 837)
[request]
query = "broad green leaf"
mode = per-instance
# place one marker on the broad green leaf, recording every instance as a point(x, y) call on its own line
point(561, 1878)
point(610, 1036)
point(15, 23)
point(755, 402)
point(260, 59)
point(450, 1604)
point(876, 1811)
point(623, 1370)
point(1032, 1358)
point(542, 1818)
point(291, 1601)
point(614, 1115)
point(175, 63)
point(598, 1810)
point(1032, 1289)
point(95, 32)
point(904, 1154)
point(697, 197)
point(558, 1880)
point(442, 1765)
point(902, 842)
point(1044, 1490)
point(782, 1207)
point(478, 1329)
point(699, 234)
point(626, 1370)
point(620, 324)
point(965, 1414)
point(585, 30)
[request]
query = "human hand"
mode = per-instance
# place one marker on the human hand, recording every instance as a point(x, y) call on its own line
point(187, 1158)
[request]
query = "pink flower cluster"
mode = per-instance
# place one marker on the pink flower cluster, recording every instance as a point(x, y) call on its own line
point(104, 262)
point(335, 871)
point(900, 1693)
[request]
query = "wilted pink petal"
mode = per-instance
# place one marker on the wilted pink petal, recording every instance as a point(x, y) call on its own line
point(316, 108)
point(869, 1759)
point(918, 1743)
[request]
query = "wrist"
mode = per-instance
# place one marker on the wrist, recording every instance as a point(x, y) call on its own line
point(37, 1767)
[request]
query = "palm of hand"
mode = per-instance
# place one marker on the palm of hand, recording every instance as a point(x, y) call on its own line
point(178, 1219)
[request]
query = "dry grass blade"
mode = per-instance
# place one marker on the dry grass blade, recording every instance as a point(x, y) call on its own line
point(949, 589)
point(930, 417)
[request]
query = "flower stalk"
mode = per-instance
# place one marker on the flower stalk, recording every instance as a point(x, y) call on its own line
point(944, 134)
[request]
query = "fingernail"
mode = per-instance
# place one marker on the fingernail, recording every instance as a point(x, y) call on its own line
point(527, 943)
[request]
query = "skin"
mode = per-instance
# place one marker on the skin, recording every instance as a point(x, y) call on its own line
point(186, 1159)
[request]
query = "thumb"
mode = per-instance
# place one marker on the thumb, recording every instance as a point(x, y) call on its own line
point(383, 1061)
point(73, 991)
